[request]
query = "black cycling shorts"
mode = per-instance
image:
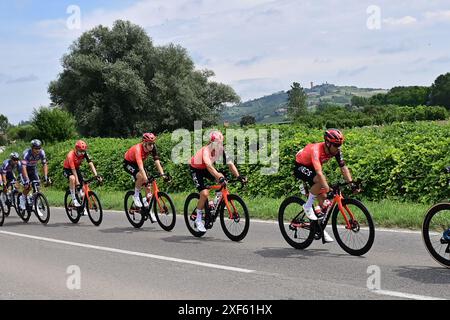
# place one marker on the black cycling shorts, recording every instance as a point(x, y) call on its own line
point(131, 168)
point(199, 175)
point(305, 173)
point(33, 174)
point(68, 172)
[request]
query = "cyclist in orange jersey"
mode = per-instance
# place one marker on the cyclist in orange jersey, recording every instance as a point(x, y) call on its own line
point(72, 168)
point(134, 165)
point(202, 166)
point(308, 167)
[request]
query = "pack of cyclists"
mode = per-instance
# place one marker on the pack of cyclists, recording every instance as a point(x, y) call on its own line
point(307, 168)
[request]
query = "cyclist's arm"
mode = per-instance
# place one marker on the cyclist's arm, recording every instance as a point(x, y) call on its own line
point(44, 164)
point(140, 163)
point(46, 170)
point(346, 173)
point(92, 166)
point(24, 173)
point(159, 167)
point(233, 169)
point(322, 180)
point(209, 165)
point(156, 158)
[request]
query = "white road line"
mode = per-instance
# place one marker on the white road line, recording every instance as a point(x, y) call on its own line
point(132, 253)
point(404, 295)
point(253, 220)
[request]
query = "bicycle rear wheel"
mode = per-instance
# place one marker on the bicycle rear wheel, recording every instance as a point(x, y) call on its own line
point(294, 225)
point(190, 214)
point(94, 208)
point(41, 208)
point(164, 210)
point(134, 214)
point(71, 211)
point(435, 224)
point(24, 214)
point(15, 198)
point(359, 237)
point(235, 225)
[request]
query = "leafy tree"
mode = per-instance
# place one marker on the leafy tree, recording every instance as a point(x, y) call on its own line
point(359, 101)
point(53, 124)
point(440, 91)
point(116, 83)
point(297, 105)
point(247, 120)
point(4, 124)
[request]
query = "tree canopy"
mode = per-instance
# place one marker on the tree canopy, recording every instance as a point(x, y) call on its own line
point(116, 83)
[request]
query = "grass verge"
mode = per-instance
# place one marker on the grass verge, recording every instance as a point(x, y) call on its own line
point(386, 213)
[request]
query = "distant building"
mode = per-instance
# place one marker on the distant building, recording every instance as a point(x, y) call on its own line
point(312, 84)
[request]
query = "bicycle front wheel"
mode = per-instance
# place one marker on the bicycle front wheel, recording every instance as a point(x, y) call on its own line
point(41, 208)
point(358, 236)
point(235, 224)
point(164, 210)
point(190, 214)
point(2, 212)
point(435, 225)
point(94, 208)
point(6, 205)
point(294, 225)
point(71, 211)
point(134, 214)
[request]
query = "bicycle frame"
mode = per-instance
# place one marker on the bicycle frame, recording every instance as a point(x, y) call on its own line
point(337, 200)
point(86, 191)
point(225, 193)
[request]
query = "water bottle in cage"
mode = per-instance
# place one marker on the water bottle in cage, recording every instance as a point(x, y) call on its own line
point(217, 199)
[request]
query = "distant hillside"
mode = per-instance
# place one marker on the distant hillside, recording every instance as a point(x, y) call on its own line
point(272, 108)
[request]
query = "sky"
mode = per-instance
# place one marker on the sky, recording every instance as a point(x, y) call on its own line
point(256, 46)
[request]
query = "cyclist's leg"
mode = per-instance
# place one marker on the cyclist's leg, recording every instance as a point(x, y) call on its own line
point(32, 176)
point(133, 170)
point(72, 185)
point(307, 174)
point(198, 176)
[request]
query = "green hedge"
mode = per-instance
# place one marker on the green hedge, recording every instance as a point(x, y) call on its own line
point(401, 161)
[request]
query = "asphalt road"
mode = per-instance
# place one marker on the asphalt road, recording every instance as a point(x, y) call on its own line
point(116, 261)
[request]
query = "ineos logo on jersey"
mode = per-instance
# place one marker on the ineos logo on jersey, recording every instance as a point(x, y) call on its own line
point(306, 171)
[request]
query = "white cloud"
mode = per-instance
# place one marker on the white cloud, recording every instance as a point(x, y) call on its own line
point(405, 21)
point(443, 15)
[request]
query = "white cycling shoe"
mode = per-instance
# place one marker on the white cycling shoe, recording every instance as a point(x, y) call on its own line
point(76, 203)
point(310, 213)
point(200, 226)
point(327, 237)
point(137, 202)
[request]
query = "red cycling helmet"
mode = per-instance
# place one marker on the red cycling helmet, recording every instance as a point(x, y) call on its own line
point(334, 136)
point(148, 137)
point(81, 145)
point(216, 136)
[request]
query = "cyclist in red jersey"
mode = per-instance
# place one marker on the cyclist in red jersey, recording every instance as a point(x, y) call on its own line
point(134, 165)
point(202, 166)
point(72, 168)
point(308, 167)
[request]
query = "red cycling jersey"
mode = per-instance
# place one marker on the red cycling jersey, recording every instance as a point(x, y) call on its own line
point(314, 155)
point(73, 161)
point(137, 154)
point(206, 156)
